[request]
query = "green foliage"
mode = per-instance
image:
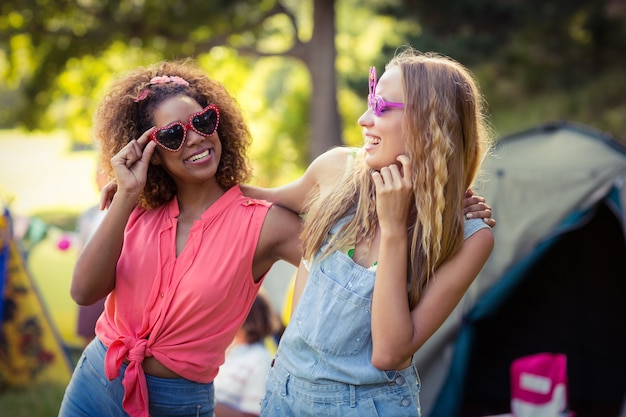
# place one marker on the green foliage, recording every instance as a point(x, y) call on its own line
point(558, 32)
point(598, 103)
point(41, 38)
point(64, 53)
point(79, 87)
point(536, 59)
point(274, 95)
point(286, 88)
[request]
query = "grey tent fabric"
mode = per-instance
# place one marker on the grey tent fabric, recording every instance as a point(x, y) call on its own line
point(541, 183)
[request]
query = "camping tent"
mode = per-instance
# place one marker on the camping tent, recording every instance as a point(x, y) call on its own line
point(555, 282)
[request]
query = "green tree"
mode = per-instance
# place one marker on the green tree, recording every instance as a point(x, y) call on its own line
point(41, 39)
point(537, 59)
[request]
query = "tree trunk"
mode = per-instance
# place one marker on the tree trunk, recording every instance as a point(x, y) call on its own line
point(324, 113)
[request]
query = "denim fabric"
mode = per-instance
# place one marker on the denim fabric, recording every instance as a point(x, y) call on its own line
point(472, 226)
point(329, 336)
point(90, 393)
point(323, 363)
point(289, 396)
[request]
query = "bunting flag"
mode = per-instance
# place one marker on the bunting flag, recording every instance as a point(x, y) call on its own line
point(31, 350)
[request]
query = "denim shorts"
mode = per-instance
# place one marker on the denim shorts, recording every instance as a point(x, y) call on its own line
point(90, 393)
point(288, 396)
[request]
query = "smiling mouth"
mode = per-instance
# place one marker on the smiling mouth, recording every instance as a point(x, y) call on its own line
point(199, 156)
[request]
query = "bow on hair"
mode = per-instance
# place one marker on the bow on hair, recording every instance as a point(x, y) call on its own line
point(161, 79)
point(164, 79)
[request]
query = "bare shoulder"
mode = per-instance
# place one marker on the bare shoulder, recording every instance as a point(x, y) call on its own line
point(332, 164)
point(337, 155)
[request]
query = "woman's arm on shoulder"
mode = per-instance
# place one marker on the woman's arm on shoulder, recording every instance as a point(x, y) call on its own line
point(398, 333)
point(476, 207)
point(325, 168)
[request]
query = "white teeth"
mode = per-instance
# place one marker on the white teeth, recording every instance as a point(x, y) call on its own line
point(199, 156)
point(374, 141)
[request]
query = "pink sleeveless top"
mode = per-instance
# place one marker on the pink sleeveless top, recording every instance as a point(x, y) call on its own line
point(184, 311)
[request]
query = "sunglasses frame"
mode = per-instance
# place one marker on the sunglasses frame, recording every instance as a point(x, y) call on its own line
point(376, 103)
point(186, 127)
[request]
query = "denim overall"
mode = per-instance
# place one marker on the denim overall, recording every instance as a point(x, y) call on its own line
point(323, 364)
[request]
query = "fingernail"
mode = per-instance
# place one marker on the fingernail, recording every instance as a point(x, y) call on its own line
point(469, 215)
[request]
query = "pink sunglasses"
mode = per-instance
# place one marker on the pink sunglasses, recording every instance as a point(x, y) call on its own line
point(172, 136)
point(377, 103)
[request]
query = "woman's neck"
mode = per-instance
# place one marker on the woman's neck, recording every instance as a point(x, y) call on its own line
point(193, 201)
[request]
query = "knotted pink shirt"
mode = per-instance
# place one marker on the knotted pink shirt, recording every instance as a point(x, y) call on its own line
point(184, 311)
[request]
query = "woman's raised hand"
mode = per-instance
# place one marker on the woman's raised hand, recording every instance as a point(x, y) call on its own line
point(130, 166)
point(394, 193)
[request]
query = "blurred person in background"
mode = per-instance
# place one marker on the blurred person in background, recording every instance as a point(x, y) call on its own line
point(240, 383)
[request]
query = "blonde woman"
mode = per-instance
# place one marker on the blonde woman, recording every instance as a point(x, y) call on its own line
point(388, 252)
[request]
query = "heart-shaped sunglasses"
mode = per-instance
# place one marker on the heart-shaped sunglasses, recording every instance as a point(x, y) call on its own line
point(172, 136)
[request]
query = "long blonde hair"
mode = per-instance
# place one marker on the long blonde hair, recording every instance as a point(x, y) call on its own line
point(446, 135)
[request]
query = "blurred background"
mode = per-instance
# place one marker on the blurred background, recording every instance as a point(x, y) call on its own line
point(299, 69)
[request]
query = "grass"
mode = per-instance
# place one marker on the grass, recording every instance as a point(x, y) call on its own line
point(37, 401)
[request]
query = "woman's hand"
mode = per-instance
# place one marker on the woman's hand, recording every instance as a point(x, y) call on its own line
point(130, 166)
point(106, 194)
point(475, 206)
point(394, 193)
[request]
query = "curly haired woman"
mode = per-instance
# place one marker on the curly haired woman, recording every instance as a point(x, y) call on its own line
point(180, 254)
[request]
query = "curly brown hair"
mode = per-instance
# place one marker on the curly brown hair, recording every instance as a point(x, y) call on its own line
point(127, 111)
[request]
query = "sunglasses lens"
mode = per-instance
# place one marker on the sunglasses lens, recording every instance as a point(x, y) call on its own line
point(205, 122)
point(171, 137)
point(374, 104)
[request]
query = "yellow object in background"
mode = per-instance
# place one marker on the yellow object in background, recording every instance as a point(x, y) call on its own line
point(51, 269)
point(31, 350)
point(286, 313)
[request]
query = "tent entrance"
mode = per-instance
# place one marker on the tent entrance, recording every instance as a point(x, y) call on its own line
point(572, 299)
